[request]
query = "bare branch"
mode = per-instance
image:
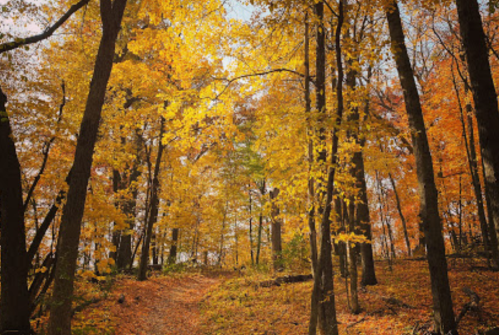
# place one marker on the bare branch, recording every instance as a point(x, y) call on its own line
point(19, 42)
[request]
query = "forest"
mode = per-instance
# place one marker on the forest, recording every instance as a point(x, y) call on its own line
point(249, 167)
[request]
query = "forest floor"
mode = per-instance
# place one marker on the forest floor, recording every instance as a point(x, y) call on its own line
point(400, 304)
point(162, 305)
point(199, 303)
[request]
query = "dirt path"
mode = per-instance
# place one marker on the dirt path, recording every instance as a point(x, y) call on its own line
point(162, 306)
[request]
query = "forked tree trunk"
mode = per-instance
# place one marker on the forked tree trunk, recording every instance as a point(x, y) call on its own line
point(442, 301)
point(67, 251)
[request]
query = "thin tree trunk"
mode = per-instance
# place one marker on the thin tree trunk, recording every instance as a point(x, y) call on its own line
point(383, 203)
point(442, 300)
point(260, 223)
point(251, 228)
point(153, 213)
point(328, 324)
point(352, 261)
point(314, 299)
point(362, 215)
point(222, 236)
point(276, 232)
point(116, 233)
point(67, 249)
point(401, 214)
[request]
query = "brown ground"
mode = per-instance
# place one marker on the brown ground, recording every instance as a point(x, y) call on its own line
point(161, 306)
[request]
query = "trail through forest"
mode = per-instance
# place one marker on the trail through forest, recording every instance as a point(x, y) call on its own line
point(161, 305)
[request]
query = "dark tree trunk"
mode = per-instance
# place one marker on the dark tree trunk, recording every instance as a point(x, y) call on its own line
point(442, 301)
point(469, 141)
point(362, 215)
point(276, 232)
point(153, 213)
point(485, 98)
point(172, 257)
point(14, 303)
point(116, 233)
point(366, 249)
point(251, 226)
point(401, 214)
point(154, 248)
point(222, 237)
point(324, 282)
point(67, 249)
point(125, 251)
point(260, 223)
point(353, 222)
point(314, 299)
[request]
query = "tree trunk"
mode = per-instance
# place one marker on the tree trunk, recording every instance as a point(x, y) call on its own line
point(116, 233)
point(67, 253)
point(314, 299)
point(153, 213)
point(125, 251)
point(251, 227)
point(401, 214)
point(172, 257)
point(324, 283)
point(442, 301)
point(14, 302)
point(222, 237)
point(260, 223)
point(469, 141)
point(276, 232)
point(362, 215)
point(485, 98)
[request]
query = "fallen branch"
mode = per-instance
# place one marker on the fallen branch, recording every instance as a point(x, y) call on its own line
point(285, 280)
point(85, 304)
point(391, 300)
point(472, 305)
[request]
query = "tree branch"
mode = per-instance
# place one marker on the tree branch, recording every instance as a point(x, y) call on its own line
point(19, 42)
point(256, 74)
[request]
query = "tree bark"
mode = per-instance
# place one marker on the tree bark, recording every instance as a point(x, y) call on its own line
point(172, 257)
point(260, 223)
point(324, 283)
point(469, 143)
point(442, 301)
point(251, 226)
point(401, 214)
point(14, 303)
point(276, 232)
point(67, 253)
point(314, 299)
point(485, 98)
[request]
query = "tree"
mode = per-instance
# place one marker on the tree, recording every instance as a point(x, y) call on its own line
point(486, 108)
point(15, 304)
point(442, 301)
point(67, 249)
